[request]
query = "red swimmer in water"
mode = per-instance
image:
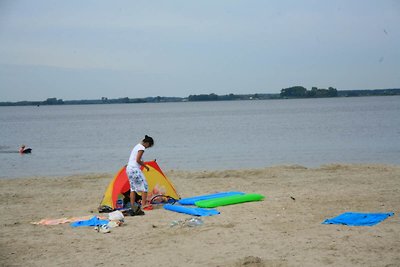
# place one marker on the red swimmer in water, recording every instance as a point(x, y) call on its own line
point(24, 150)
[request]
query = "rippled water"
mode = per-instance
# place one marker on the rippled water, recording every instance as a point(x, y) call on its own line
point(200, 136)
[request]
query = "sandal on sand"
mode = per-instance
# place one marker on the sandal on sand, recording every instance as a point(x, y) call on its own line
point(149, 207)
point(139, 212)
point(131, 212)
point(104, 228)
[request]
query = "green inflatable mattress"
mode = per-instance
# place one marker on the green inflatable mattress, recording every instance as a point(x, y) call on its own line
point(229, 200)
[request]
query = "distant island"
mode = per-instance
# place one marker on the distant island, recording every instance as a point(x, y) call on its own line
point(286, 93)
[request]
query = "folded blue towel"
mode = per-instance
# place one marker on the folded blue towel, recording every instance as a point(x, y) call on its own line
point(94, 221)
point(358, 219)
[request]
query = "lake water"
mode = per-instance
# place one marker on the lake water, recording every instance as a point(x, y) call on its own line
point(201, 135)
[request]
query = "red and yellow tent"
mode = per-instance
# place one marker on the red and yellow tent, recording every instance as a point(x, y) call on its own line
point(158, 183)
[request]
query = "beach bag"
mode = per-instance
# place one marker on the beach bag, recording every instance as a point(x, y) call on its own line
point(116, 216)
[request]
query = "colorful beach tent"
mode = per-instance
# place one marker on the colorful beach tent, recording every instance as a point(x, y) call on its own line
point(158, 183)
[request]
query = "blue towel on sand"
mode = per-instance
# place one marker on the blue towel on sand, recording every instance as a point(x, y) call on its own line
point(358, 219)
point(191, 211)
point(94, 221)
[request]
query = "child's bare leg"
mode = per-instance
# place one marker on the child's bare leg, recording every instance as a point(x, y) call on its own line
point(144, 199)
point(132, 197)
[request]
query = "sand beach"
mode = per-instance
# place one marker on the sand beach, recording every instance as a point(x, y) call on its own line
point(283, 230)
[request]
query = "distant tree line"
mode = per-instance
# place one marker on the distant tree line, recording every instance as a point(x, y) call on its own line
point(214, 97)
point(48, 101)
point(373, 92)
point(301, 92)
point(103, 100)
point(291, 92)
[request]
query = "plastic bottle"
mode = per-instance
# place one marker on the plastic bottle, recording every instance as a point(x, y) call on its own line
point(194, 222)
point(120, 204)
point(174, 223)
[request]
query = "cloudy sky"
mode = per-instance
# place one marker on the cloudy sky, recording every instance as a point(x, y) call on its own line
point(92, 49)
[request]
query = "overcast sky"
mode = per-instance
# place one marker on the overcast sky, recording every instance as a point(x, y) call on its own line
point(92, 49)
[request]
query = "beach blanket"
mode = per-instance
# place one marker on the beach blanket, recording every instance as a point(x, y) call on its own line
point(63, 220)
point(358, 219)
point(94, 221)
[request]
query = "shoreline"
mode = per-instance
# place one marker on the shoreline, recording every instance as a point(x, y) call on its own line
point(283, 230)
point(166, 171)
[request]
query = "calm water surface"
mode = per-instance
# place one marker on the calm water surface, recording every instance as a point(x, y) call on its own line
point(200, 136)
